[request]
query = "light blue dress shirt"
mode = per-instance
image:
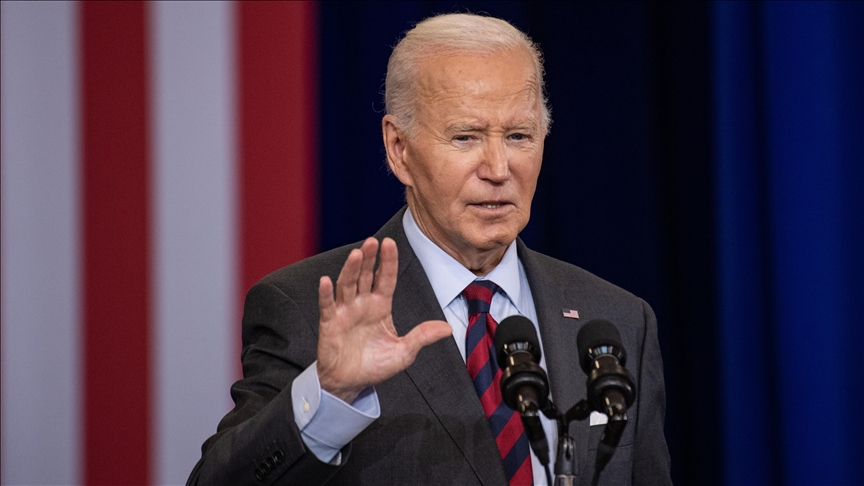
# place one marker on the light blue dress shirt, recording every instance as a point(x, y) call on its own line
point(316, 410)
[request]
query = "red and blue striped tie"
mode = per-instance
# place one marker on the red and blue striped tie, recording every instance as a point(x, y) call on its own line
point(482, 367)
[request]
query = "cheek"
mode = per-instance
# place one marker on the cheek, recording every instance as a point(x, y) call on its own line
point(441, 193)
point(530, 188)
point(526, 179)
point(448, 183)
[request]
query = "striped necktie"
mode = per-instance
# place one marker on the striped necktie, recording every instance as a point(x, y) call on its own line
point(505, 423)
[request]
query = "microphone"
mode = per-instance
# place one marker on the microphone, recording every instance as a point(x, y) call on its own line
point(602, 356)
point(610, 387)
point(524, 385)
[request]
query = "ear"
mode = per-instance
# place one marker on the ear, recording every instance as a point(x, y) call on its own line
point(396, 146)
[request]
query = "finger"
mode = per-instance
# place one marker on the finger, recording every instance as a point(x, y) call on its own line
point(424, 335)
point(326, 304)
point(346, 284)
point(385, 279)
point(370, 250)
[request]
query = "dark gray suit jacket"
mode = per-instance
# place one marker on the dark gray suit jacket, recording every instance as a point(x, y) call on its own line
point(432, 428)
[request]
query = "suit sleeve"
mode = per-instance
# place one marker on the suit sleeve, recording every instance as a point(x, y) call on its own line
point(651, 462)
point(258, 442)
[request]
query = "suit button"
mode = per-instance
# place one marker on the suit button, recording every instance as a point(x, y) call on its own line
point(265, 468)
point(279, 456)
point(259, 475)
point(271, 463)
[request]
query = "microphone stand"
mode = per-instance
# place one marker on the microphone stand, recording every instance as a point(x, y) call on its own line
point(565, 460)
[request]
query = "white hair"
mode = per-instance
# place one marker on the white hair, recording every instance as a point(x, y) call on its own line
point(457, 33)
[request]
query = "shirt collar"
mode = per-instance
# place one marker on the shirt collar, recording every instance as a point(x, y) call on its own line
point(449, 277)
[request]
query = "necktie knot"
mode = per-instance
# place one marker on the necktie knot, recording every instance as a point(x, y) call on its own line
point(478, 294)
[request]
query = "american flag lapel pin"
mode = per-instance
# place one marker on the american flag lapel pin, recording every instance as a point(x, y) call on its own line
point(570, 313)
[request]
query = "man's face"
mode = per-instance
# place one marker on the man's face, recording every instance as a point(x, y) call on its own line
point(472, 163)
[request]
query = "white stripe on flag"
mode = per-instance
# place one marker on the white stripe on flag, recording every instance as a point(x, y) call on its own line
point(196, 330)
point(41, 359)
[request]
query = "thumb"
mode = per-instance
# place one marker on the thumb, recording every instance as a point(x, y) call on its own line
point(425, 334)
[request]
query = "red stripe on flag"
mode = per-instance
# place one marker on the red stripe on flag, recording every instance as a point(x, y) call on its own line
point(277, 108)
point(115, 150)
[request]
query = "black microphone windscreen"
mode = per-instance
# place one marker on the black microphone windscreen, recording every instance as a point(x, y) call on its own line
point(515, 329)
point(593, 334)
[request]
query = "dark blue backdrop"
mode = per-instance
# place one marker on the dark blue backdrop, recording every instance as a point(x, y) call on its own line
point(706, 157)
point(789, 95)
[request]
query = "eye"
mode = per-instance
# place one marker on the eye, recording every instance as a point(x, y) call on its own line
point(462, 138)
point(518, 137)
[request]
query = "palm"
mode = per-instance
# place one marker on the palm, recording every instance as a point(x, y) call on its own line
point(357, 344)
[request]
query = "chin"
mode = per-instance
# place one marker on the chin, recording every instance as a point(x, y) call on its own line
point(498, 234)
point(493, 242)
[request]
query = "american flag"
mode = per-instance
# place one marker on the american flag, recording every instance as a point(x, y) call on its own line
point(571, 313)
point(157, 159)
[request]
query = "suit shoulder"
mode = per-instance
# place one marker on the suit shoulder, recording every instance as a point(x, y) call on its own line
point(563, 275)
point(304, 275)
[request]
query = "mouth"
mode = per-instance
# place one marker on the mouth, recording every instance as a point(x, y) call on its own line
point(492, 205)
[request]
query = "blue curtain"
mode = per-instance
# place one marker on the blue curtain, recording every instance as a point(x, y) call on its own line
point(789, 99)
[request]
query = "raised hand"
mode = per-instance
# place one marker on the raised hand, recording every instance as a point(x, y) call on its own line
point(357, 344)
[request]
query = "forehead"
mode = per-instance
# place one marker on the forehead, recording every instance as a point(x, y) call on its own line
point(502, 84)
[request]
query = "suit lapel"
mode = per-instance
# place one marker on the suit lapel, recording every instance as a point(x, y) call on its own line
point(439, 372)
point(566, 379)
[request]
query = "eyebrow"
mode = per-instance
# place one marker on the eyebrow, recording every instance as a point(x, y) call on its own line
point(468, 127)
point(528, 125)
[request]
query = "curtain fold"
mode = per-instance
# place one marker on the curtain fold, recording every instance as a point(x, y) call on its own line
point(790, 169)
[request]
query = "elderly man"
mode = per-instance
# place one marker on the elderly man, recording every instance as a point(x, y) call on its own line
point(386, 378)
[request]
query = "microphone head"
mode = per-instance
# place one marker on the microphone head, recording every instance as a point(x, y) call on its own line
point(512, 334)
point(599, 337)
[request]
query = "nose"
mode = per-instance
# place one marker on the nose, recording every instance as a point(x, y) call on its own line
point(495, 166)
